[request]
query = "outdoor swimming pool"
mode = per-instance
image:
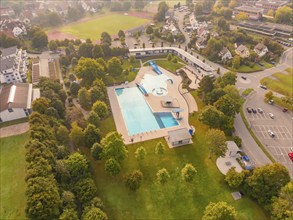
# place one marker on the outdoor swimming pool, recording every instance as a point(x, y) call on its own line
point(138, 116)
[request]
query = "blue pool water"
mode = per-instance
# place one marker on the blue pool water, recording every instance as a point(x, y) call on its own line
point(137, 115)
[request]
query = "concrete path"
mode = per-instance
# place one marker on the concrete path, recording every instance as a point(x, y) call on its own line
point(225, 163)
point(14, 130)
point(192, 106)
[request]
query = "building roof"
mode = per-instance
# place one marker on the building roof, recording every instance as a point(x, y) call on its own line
point(17, 95)
point(7, 63)
point(8, 51)
point(232, 147)
point(179, 135)
point(260, 47)
point(241, 49)
point(224, 51)
point(249, 9)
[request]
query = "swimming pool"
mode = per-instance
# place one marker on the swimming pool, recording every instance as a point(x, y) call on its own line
point(138, 116)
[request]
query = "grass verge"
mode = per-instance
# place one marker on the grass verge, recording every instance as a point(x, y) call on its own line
point(14, 122)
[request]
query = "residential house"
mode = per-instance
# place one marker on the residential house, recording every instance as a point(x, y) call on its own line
point(202, 32)
point(252, 12)
point(242, 51)
point(13, 66)
point(6, 12)
point(260, 49)
point(15, 26)
point(200, 43)
point(16, 101)
point(225, 54)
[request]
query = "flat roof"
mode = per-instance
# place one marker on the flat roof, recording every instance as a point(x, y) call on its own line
point(232, 146)
point(179, 135)
point(249, 9)
point(8, 51)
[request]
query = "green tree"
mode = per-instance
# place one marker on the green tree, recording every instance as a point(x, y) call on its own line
point(85, 50)
point(68, 200)
point(92, 135)
point(241, 16)
point(160, 148)
point(69, 214)
point(227, 105)
point(76, 135)
point(163, 176)
point(211, 117)
point(74, 88)
point(121, 34)
point(233, 178)
point(84, 98)
point(213, 96)
point(217, 142)
point(282, 207)
point(89, 70)
point(93, 118)
point(133, 180)
point(188, 172)
point(85, 190)
point(43, 199)
point(97, 52)
point(62, 135)
point(96, 151)
point(269, 95)
point(100, 108)
point(98, 91)
point(40, 105)
point(106, 39)
point(93, 213)
point(113, 147)
point(39, 39)
point(162, 9)
point(74, 62)
point(140, 153)
point(219, 211)
point(206, 85)
point(284, 15)
point(77, 166)
point(114, 66)
point(149, 30)
point(52, 45)
point(228, 78)
point(266, 181)
point(236, 62)
point(169, 57)
point(112, 167)
point(54, 19)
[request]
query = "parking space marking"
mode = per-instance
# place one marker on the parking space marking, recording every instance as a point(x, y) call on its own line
point(281, 132)
point(280, 153)
point(259, 116)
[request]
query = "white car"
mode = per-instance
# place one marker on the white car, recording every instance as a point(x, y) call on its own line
point(271, 133)
point(271, 115)
point(260, 110)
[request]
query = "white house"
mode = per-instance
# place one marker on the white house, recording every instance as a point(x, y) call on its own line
point(17, 31)
point(225, 54)
point(13, 66)
point(261, 49)
point(242, 51)
point(16, 101)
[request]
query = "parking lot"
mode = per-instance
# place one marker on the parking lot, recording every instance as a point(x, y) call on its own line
point(280, 140)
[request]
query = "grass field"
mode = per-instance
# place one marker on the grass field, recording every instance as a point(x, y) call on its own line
point(280, 82)
point(12, 169)
point(176, 199)
point(248, 69)
point(110, 23)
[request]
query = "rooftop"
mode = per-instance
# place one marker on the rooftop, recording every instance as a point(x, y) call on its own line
point(179, 135)
point(8, 51)
point(249, 9)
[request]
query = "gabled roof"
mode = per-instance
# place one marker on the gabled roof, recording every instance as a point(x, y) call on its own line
point(8, 51)
point(179, 135)
point(260, 47)
point(241, 48)
point(224, 51)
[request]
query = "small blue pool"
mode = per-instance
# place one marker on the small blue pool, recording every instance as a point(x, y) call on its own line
point(138, 116)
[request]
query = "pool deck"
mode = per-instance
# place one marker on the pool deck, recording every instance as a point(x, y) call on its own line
point(155, 104)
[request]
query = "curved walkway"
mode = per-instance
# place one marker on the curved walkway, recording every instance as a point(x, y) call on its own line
point(14, 130)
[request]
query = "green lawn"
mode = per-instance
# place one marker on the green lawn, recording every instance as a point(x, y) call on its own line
point(280, 82)
point(168, 65)
point(247, 91)
point(110, 23)
point(248, 69)
point(176, 199)
point(12, 177)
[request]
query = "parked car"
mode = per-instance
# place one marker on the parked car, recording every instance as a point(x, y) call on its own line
point(273, 62)
point(285, 110)
point(260, 110)
point(271, 133)
point(271, 102)
point(271, 115)
point(253, 110)
point(248, 109)
point(263, 87)
point(261, 64)
point(290, 155)
point(243, 77)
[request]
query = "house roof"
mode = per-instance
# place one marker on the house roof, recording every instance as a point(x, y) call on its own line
point(260, 47)
point(8, 51)
point(231, 146)
point(241, 48)
point(224, 51)
point(178, 135)
point(16, 96)
point(7, 63)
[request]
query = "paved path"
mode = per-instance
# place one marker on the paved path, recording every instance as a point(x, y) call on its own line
point(14, 130)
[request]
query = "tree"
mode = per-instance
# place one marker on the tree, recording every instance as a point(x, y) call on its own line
point(219, 211)
point(233, 178)
point(206, 85)
point(282, 207)
point(162, 9)
point(93, 213)
point(106, 38)
point(213, 96)
point(241, 16)
point(92, 135)
point(77, 166)
point(74, 62)
point(85, 190)
point(40, 105)
point(121, 34)
point(76, 135)
point(97, 52)
point(237, 140)
point(140, 153)
point(112, 167)
point(233, 4)
point(198, 9)
point(266, 181)
point(211, 117)
point(74, 88)
point(93, 118)
point(229, 78)
point(217, 142)
point(149, 30)
point(227, 105)
point(236, 62)
point(62, 135)
point(96, 151)
point(114, 66)
point(133, 180)
point(69, 214)
point(54, 19)
point(89, 70)
point(188, 172)
point(160, 148)
point(43, 199)
point(143, 45)
point(84, 98)
point(85, 50)
point(269, 95)
point(52, 45)
point(284, 15)
point(100, 108)
point(39, 39)
point(113, 147)
point(162, 176)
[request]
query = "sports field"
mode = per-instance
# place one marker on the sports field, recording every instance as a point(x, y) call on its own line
point(110, 23)
point(12, 170)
